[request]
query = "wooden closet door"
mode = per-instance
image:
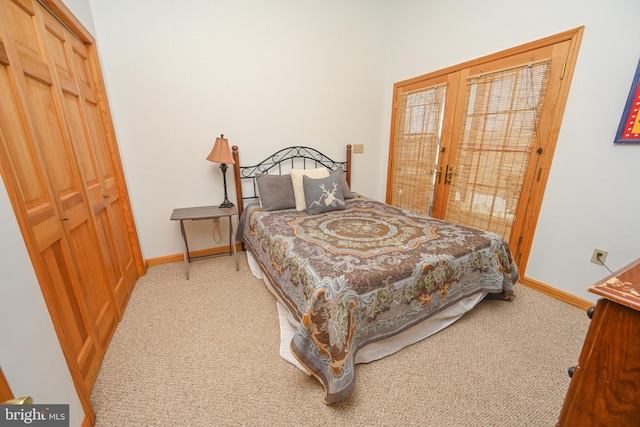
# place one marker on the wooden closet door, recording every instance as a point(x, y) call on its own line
point(23, 173)
point(117, 232)
point(69, 261)
point(63, 47)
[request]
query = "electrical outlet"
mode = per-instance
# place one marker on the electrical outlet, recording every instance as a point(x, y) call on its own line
point(599, 256)
point(358, 148)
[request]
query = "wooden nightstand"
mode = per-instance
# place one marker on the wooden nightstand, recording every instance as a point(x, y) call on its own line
point(204, 212)
point(605, 385)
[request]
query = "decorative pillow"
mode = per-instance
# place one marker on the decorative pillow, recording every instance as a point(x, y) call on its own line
point(346, 191)
point(323, 194)
point(276, 192)
point(296, 181)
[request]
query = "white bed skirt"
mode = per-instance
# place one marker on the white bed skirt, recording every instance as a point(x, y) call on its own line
point(375, 350)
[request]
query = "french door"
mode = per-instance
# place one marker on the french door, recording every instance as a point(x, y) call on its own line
point(473, 144)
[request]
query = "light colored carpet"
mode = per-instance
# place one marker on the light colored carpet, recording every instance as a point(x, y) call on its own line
point(204, 352)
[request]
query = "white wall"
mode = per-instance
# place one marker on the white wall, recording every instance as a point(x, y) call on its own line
point(266, 74)
point(81, 9)
point(274, 73)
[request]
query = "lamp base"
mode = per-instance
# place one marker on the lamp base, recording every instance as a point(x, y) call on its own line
point(225, 203)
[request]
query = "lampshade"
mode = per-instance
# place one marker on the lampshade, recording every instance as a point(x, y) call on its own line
point(220, 153)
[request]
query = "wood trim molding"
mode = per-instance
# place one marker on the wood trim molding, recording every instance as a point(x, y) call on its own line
point(88, 421)
point(573, 34)
point(556, 293)
point(68, 19)
point(219, 250)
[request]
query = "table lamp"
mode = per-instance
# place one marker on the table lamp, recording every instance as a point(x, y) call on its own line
point(220, 153)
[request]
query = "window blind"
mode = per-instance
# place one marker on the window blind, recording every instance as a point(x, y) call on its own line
point(417, 138)
point(499, 132)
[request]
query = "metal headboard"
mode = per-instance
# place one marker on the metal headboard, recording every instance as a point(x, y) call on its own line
point(281, 162)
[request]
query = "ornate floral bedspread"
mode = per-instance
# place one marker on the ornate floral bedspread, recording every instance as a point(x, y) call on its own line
point(362, 274)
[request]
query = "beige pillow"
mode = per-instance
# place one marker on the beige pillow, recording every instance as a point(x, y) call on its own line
point(298, 188)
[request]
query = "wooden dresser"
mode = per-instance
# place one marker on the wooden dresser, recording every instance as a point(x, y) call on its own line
point(605, 385)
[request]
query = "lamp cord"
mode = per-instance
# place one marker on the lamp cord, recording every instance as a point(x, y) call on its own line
point(217, 236)
point(603, 264)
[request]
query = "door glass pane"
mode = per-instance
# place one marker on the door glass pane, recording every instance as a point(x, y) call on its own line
point(417, 139)
point(499, 133)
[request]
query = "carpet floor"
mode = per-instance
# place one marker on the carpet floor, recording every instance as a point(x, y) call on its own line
point(205, 352)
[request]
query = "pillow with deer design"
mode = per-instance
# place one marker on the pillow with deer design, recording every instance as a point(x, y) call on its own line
point(323, 194)
point(298, 188)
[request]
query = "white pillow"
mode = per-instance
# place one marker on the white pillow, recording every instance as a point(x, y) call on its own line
point(298, 187)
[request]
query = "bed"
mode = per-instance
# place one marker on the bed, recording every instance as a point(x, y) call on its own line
point(355, 279)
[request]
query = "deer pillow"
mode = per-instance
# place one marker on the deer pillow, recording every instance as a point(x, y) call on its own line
point(296, 181)
point(323, 194)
